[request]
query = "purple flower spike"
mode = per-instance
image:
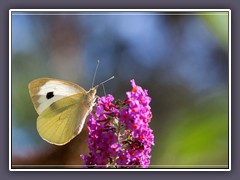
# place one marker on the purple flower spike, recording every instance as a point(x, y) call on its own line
point(119, 133)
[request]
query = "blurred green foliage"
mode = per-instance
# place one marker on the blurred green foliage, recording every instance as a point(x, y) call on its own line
point(199, 142)
point(218, 25)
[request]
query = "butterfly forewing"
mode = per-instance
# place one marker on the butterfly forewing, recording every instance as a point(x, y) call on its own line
point(45, 91)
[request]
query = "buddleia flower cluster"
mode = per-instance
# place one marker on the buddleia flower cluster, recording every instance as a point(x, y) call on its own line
point(119, 132)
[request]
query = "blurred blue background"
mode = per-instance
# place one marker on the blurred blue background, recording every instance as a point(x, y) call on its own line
point(182, 59)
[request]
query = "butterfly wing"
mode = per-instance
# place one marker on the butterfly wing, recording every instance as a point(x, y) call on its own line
point(46, 91)
point(63, 119)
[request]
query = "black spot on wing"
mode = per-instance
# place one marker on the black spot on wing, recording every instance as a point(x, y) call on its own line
point(49, 95)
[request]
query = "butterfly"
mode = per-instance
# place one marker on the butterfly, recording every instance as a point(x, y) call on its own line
point(62, 108)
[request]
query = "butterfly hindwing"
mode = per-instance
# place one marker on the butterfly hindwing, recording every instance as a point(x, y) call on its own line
point(63, 119)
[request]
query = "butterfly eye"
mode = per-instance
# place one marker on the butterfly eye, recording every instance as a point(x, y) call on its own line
point(49, 95)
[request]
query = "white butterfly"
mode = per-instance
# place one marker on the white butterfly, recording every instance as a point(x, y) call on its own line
point(62, 107)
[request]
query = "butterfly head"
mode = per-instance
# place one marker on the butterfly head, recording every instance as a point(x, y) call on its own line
point(92, 93)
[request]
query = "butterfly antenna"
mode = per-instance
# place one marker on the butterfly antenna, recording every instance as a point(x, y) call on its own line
point(106, 80)
point(95, 73)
